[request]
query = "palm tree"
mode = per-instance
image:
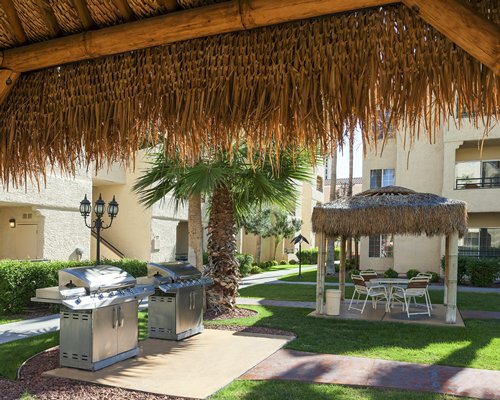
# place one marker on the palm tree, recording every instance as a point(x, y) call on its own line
point(235, 183)
point(330, 250)
point(349, 185)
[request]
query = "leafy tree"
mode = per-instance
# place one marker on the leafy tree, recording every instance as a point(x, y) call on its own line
point(258, 223)
point(282, 226)
point(235, 183)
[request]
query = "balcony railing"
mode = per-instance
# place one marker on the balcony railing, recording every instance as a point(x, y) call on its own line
point(480, 253)
point(477, 183)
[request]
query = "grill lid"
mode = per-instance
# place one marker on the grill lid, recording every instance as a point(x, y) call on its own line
point(99, 278)
point(178, 271)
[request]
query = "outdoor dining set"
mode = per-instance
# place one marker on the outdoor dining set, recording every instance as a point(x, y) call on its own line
point(392, 290)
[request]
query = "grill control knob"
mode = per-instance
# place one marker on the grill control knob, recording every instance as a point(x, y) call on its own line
point(100, 296)
point(78, 301)
point(111, 294)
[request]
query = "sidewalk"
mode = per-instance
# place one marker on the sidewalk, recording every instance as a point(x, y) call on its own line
point(368, 372)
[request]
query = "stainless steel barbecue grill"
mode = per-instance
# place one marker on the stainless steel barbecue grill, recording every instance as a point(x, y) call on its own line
point(176, 308)
point(98, 315)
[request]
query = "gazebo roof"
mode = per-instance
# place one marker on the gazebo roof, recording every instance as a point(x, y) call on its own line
point(391, 210)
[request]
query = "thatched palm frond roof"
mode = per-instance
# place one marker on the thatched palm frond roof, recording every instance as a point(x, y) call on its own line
point(391, 210)
point(303, 83)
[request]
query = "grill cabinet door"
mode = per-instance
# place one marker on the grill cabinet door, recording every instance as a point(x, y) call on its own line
point(127, 326)
point(104, 335)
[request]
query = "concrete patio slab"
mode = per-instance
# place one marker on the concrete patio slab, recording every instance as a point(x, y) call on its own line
point(360, 371)
point(195, 367)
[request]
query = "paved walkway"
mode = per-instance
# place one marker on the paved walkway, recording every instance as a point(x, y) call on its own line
point(359, 371)
point(271, 276)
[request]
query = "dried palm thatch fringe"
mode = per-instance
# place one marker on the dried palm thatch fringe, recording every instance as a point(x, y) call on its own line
point(302, 83)
point(392, 210)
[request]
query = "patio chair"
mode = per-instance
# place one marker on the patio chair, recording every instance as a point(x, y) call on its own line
point(427, 275)
point(375, 292)
point(417, 287)
point(368, 275)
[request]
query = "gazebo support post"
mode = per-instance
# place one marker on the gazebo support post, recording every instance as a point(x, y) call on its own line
point(321, 272)
point(342, 267)
point(451, 304)
point(446, 267)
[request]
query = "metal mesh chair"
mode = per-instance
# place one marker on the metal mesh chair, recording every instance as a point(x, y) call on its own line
point(417, 287)
point(375, 292)
point(427, 275)
point(368, 275)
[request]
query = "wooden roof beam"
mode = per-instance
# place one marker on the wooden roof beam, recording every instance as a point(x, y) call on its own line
point(49, 17)
point(231, 16)
point(473, 33)
point(8, 79)
point(125, 11)
point(83, 14)
point(14, 21)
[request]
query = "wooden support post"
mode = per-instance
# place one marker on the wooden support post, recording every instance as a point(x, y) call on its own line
point(451, 306)
point(321, 272)
point(457, 21)
point(446, 267)
point(8, 79)
point(342, 267)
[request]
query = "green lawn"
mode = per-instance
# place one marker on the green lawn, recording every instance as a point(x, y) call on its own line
point(286, 266)
point(8, 318)
point(280, 390)
point(476, 346)
point(307, 276)
point(465, 300)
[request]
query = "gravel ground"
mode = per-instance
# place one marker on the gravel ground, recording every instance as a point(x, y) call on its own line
point(32, 381)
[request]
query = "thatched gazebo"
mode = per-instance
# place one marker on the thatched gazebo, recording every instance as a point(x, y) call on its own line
point(391, 210)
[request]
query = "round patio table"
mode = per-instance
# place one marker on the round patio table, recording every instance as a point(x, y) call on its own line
point(389, 283)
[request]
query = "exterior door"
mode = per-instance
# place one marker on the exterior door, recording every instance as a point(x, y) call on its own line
point(24, 242)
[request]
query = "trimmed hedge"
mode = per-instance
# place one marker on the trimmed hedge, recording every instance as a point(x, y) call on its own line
point(309, 256)
point(482, 272)
point(390, 273)
point(20, 279)
point(412, 273)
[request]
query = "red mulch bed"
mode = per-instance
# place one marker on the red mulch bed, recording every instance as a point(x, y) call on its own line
point(43, 387)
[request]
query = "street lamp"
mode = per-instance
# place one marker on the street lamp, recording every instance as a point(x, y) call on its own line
point(97, 225)
point(299, 239)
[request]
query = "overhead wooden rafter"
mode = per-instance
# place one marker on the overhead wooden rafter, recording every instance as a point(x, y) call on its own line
point(459, 23)
point(7, 80)
point(48, 17)
point(14, 21)
point(83, 14)
point(125, 11)
point(474, 33)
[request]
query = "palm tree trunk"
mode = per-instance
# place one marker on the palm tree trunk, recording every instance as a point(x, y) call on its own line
point(195, 232)
point(330, 247)
point(349, 186)
point(258, 250)
point(222, 264)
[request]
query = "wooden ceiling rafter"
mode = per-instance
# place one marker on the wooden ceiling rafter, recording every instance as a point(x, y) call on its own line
point(49, 17)
point(124, 9)
point(14, 21)
point(8, 79)
point(83, 14)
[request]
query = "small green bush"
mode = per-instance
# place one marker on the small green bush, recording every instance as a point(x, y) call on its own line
point(292, 262)
point(309, 256)
point(354, 272)
point(20, 279)
point(283, 262)
point(275, 263)
point(351, 264)
point(245, 263)
point(483, 272)
point(462, 274)
point(255, 270)
point(434, 277)
point(411, 273)
point(266, 264)
point(390, 273)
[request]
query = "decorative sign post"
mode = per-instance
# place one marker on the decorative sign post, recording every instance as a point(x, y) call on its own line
point(298, 240)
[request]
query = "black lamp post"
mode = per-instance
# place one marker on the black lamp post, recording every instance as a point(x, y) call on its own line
point(298, 240)
point(99, 210)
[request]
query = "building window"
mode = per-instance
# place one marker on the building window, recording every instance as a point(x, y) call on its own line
point(319, 184)
point(380, 246)
point(381, 177)
point(480, 242)
point(477, 174)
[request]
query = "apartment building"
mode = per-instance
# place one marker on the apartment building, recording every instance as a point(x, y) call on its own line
point(460, 165)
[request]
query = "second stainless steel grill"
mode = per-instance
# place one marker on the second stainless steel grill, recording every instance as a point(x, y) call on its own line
point(98, 315)
point(176, 308)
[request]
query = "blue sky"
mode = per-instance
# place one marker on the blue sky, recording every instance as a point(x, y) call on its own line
point(343, 159)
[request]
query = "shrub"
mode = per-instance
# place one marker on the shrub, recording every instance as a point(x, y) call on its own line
point(309, 256)
point(292, 262)
point(266, 264)
point(205, 258)
point(390, 273)
point(434, 277)
point(411, 273)
point(275, 263)
point(462, 274)
point(245, 263)
point(483, 272)
point(351, 264)
point(255, 270)
point(20, 279)
point(354, 272)
point(283, 262)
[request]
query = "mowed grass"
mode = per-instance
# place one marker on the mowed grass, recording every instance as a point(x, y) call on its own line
point(476, 346)
point(13, 354)
point(281, 390)
point(465, 300)
point(8, 318)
